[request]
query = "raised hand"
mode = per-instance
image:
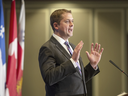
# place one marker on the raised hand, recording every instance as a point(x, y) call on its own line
point(95, 55)
point(76, 53)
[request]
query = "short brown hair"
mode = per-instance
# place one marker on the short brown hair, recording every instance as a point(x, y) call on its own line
point(56, 16)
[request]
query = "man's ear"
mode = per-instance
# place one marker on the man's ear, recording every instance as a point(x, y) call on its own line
point(55, 25)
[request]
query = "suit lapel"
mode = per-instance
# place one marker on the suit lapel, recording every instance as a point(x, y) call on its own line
point(60, 47)
point(65, 53)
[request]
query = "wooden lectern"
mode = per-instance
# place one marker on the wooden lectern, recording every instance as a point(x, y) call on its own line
point(123, 94)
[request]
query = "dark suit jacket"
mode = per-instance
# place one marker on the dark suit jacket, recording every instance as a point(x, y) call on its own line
point(59, 74)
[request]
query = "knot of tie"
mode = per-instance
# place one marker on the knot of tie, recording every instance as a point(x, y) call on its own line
point(66, 43)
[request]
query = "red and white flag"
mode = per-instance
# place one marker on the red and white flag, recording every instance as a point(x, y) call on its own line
point(12, 54)
point(21, 37)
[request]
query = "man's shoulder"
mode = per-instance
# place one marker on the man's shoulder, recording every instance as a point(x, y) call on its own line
point(49, 44)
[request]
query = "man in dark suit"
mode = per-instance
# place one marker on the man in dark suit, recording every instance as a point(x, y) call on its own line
point(60, 63)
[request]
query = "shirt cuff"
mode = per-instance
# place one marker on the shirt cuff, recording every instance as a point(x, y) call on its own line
point(73, 62)
point(96, 68)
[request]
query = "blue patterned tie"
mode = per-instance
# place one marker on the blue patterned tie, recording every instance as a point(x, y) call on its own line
point(70, 51)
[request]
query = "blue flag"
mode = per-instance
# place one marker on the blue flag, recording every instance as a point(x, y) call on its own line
point(2, 52)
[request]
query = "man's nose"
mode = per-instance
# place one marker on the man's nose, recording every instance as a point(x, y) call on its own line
point(71, 23)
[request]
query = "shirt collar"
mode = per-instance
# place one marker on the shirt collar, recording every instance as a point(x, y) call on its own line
point(59, 39)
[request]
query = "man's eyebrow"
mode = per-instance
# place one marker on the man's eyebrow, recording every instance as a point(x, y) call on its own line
point(69, 19)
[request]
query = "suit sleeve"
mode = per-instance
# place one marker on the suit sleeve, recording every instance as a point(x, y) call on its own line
point(90, 72)
point(51, 72)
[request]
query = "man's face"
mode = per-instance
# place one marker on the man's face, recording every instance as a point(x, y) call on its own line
point(65, 28)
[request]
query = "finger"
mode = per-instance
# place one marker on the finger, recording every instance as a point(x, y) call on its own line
point(101, 51)
point(87, 54)
point(95, 48)
point(92, 47)
point(77, 46)
point(80, 45)
point(98, 49)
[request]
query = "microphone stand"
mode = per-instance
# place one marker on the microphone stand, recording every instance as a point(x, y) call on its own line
point(118, 67)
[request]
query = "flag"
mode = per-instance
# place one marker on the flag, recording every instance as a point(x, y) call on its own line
point(12, 54)
point(21, 37)
point(2, 53)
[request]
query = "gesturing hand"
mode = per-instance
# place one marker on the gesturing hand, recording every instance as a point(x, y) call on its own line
point(95, 56)
point(76, 53)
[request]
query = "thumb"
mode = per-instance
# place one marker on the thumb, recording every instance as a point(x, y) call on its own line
point(87, 54)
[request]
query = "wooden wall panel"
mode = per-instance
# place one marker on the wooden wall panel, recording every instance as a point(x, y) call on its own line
point(35, 36)
point(109, 32)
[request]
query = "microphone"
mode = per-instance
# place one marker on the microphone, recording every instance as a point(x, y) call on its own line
point(118, 67)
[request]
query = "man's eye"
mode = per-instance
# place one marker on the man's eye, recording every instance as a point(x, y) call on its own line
point(66, 21)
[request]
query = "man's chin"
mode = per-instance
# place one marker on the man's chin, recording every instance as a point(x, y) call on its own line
point(70, 34)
